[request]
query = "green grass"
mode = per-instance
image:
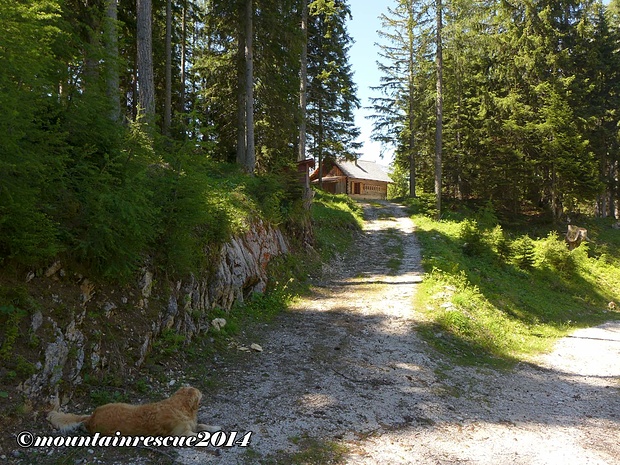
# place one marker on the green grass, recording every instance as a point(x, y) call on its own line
point(313, 451)
point(336, 219)
point(494, 297)
point(395, 250)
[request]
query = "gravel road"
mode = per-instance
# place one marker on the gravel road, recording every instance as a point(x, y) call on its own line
point(344, 375)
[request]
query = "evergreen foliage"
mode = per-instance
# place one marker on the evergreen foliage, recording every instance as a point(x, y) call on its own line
point(530, 101)
point(85, 175)
point(32, 162)
point(523, 252)
point(331, 132)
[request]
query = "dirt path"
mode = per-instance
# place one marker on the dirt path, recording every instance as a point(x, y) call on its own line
point(344, 374)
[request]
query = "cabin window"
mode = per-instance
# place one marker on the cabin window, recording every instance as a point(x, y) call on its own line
point(357, 187)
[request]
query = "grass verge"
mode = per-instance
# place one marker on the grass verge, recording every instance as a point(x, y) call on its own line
point(336, 219)
point(496, 297)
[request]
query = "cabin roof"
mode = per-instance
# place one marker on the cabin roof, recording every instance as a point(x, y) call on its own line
point(363, 169)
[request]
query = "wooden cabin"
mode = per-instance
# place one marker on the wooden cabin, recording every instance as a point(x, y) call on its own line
point(359, 179)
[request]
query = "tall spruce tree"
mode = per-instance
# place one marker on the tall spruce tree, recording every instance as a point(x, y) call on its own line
point(401, 112)
point(439, 38)
point(303, 81)
point(331, 90)
point(220, 67)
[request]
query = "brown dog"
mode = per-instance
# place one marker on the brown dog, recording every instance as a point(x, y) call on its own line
point(175, 416)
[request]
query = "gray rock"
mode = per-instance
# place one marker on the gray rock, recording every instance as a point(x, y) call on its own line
point(146, 284)
point(239, 271)
point(37, 321)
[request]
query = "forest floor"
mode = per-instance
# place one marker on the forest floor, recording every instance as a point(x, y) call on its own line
point(344, 378)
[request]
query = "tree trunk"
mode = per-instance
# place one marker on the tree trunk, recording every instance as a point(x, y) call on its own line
point(410, 116)
point(112, 74)
point(250, 157)
point(603, 204)
point(146, 82)
point(241, 137)
point(319, 143)
point(168, 90)
point(134, 90)
point(412, 171)
point(181, 104)
point(614, 197)
point(91, 55)
point(303, 75)
point(183, 59)
point(439, 109)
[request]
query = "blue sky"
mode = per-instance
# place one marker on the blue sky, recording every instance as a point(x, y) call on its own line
point(363, 57)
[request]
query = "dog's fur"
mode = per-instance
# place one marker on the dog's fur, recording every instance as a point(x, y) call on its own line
point(175, 416)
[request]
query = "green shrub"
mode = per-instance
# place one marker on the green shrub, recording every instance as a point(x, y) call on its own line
point(523, 252)
point(554, 254)
point(192, 216)
point(501, 244)
point(471, 238)
point(278, 195)
point(486, 216)
point(167, 343)
point(10, 318)
point(24, 368)
point(423, 204)
point(110, 217)
point(26, 234)
point(399, 188)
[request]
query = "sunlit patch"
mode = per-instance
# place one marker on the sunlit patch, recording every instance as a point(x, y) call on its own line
point(406, 366)
point(317, 400)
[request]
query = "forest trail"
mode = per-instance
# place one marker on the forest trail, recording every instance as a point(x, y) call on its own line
point(343, 375)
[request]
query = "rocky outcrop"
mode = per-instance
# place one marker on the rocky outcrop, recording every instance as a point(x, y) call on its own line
point(242, 265)
point(132, 319)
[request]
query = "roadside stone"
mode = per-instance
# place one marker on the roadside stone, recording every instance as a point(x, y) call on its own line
point(108, 308)
point(53, 269)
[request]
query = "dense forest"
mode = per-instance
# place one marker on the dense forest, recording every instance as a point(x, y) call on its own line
point(516, 100)
point(148, 127)
point(153, 127)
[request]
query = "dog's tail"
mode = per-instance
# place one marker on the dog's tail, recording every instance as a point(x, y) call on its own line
point(66, 422)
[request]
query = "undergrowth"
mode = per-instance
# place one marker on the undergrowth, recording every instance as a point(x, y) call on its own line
point(170, 205)
point(498, 296)
point(336, 219)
